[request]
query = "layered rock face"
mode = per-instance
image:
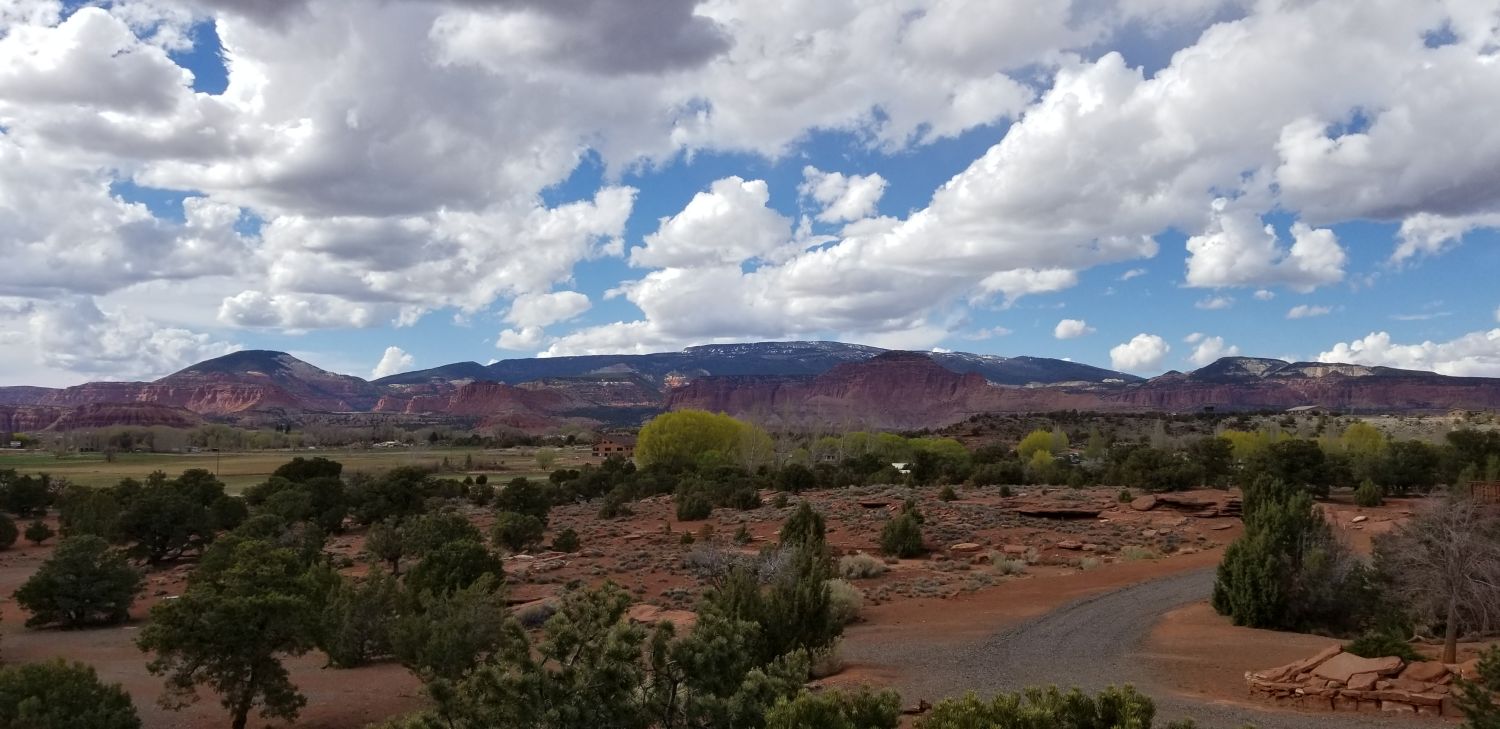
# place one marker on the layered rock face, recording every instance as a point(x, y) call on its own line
point(909, 390)
point(891, 391)
point(786, 384)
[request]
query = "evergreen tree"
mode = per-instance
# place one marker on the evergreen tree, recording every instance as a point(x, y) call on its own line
point(83, 583)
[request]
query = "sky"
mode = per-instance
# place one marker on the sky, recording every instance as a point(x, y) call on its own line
point(383, 185)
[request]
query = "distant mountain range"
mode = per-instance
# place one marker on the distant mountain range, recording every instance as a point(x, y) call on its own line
point(792, 384)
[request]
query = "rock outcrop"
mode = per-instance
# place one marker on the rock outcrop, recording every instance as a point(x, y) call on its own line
point(1337, 681)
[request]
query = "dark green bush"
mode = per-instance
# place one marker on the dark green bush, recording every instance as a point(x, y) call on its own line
point(518, 532)
point(902, 536)
point(693, 506)
point(1112, 708)
point(566, 540)
point(83, 583)
point(947, 494)
point(1288, 571)
point(1368, 494)
point(60, 695)
point(1377, 644)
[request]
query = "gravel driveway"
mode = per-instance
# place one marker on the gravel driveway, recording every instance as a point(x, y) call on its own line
point(1092, 643)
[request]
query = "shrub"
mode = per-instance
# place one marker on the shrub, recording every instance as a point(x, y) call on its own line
point(38, 532)
point(445, 635)
point(686, 539)
point(742, 536)
point(844, 601)
point(744, 498)
point(862, 709)
point(804, 527)
point(1005, 492)
point(566, 540)
point(24, 495)
point(452, 567)
point(517, 532)
point(522, 496)
point(1125, 496)
point(8, 532)
point(1088, 564)
point(1380, 644)
point(534, 615)
point(1136, 553)
point(1288, 571)
point(60, 695)
point(902, 536)
point(693, 506)
point(860, 566)
point(427, 533)
point(781, 501)
point(357, 620)
point(947, 494)
point(83, 583)
point(1478, 699)
point(1113, 708)
point(481, 493)
point(1006, 565)
point(1368, 494)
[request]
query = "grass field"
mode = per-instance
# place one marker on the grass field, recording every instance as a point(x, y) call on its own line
point(239, 470)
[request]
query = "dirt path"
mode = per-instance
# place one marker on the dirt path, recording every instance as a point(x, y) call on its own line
point(1091, 643)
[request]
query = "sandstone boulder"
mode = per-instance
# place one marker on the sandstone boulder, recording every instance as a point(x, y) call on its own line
point(965, 548)
point(1362, 681)
point(1343, 666)
point(1143, 503)
point(1425, 671)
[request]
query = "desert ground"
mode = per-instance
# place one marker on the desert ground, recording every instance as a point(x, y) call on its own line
point(994, 606)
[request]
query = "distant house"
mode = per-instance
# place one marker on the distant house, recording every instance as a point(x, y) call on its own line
point(902, 468)
point(614, 445)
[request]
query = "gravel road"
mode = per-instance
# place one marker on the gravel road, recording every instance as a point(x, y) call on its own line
point(1093, 643)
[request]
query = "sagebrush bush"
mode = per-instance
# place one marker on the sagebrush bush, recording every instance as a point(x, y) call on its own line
point(860, 566)
point(1007, 566)
point(845, 601)
point(1136, 553)
point(947, 494)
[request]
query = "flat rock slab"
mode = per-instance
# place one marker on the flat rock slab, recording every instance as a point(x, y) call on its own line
point(1427, 671)
point(652, 614)
point(1059, 512)
point(1343, 666)
point(1143, 503)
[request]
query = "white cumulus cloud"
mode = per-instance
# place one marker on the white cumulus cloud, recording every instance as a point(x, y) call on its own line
point(1143, 353)
point(1072, 329)
point(1210, 349)
point(1476, 354)
point(394, 361)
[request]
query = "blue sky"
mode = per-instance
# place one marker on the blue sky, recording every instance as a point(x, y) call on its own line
point(1128, 183)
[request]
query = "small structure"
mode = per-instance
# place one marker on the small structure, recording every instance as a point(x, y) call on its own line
point(1485, 492)
point(614, 445)
point(902, 468)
